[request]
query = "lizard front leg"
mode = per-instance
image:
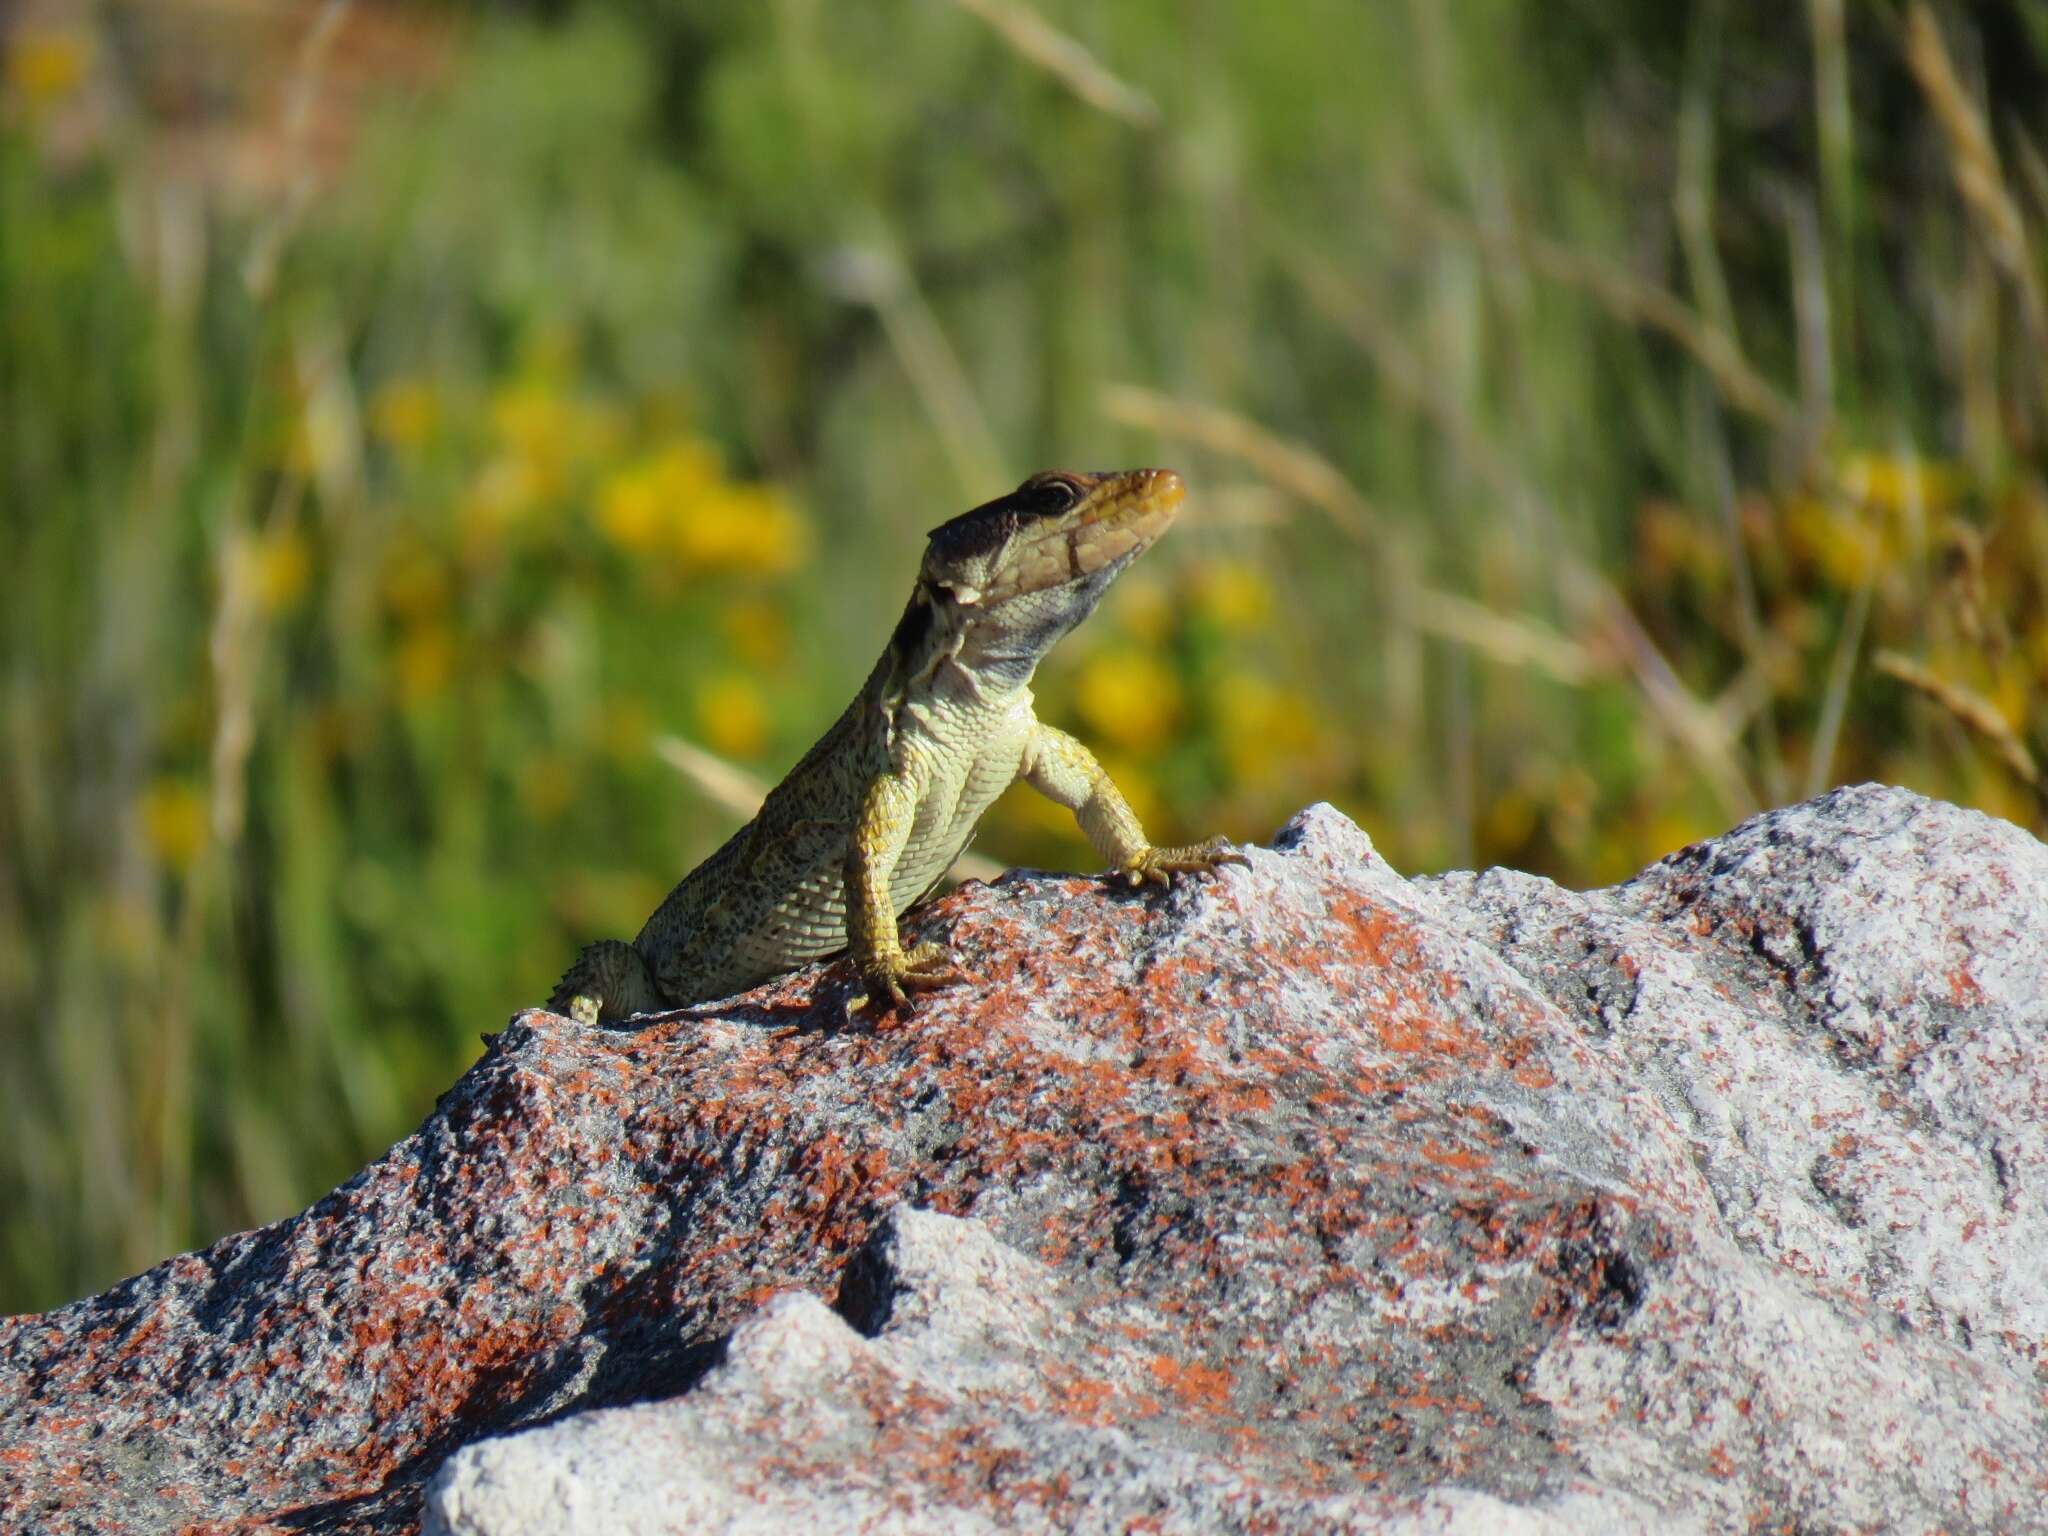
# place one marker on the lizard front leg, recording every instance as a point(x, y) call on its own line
point(1066, 773)
point(890, 972)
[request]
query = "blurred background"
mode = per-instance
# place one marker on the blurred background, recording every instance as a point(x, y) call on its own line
point(448, 451)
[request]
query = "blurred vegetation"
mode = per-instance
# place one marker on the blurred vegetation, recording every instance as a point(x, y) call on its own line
point(1605, 420)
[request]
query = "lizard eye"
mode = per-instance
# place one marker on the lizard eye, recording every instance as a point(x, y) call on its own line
point(1049, 492)
point(986, 529)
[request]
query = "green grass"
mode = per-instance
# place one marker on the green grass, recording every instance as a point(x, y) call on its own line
point(1604, 421)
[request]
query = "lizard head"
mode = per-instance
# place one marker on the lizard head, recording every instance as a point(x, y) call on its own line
point(1009, 578)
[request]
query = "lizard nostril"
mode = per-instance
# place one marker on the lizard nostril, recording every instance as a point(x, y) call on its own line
point(1166, 485)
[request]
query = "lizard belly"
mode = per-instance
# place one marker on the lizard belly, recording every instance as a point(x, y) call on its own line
point(945, 825)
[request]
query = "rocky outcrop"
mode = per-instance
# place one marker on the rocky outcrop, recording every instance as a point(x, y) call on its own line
point(1304, 1198)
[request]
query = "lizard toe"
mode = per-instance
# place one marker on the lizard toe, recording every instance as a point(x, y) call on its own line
point(891, 983)
point(927, 953)
point(1158, 866)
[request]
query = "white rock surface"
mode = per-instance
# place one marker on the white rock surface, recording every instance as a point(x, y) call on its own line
point(810, 1426)
point(1799, 1076)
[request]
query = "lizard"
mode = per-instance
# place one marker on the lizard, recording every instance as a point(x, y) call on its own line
point(873, 816)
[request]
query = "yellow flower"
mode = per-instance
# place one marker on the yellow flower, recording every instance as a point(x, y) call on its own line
point(1128, 697)
point(283, 568)
point(424, 662)
point(406, 413)
point(172, 816)
point(1233, 595)
point(678, 500)
point(1145, 611)
point(1842, 543)
point(549, 433)
point(45, 67)
point(1508, 823)
point(547, 785)
point(1892, 483)
point(748, 527)
point(638, 506)
point(757, 632)
point(415, 585)
point(532, 420)
point(629, 511)
point(1671, 541)
point(732, 717)
point(498, 500)
point(1271, 729)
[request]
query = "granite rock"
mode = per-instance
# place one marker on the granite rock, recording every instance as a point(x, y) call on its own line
point(1302, 1198)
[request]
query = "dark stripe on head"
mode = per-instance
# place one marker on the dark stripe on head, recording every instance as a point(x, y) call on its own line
point(988, 527)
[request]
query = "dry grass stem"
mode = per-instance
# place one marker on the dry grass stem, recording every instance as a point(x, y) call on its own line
point(1511, 641)
point(1291, 466)
point(1970, 709)
point(1696, 726)
point(1397, 364)
point(871, 272)
point(302, 94)
point(1694, 194)
point(1308, 475)
point(1043, 45)
point(2033, 169)
point(1834, 705)
point(1625, 295)
point(1631, 300)
point(1590, 595)
point(1973, 161)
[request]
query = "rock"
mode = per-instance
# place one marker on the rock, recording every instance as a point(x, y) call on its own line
point(952, 1391)
point(1304, 1198)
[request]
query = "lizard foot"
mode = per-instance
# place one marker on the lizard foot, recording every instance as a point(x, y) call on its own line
point(609, 981)
point(1158, 866)
point(892, 978)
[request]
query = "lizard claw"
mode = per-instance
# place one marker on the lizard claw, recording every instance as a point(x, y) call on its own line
point(1158, 866)
point(895, 977)
point(583, 1008)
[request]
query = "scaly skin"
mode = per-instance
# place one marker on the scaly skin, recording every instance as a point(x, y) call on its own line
point(879, 809)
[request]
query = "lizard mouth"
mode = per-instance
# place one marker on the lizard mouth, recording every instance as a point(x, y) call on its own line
point(1115, 522)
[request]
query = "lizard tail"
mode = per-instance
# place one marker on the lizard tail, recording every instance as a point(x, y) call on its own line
point(610, 980)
